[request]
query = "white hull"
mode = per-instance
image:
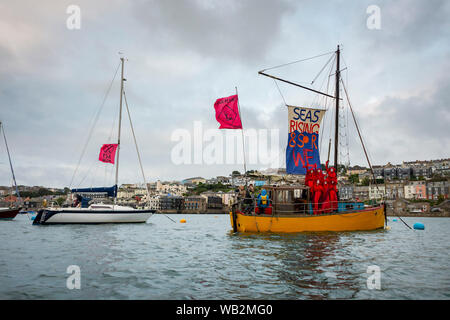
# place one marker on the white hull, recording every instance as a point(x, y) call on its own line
point(86, 216)
point(98, 218)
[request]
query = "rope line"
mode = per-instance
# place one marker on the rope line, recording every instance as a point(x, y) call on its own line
point(137, 149)
point(280, 91)
point(293, 62)
point(93, 126)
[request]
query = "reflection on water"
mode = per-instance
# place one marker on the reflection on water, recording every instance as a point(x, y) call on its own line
point(203, 259)
point(309, 264)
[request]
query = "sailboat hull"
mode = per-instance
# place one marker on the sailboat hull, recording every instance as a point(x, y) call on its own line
point(8, 214)
point(367, 219)
point(46, 217)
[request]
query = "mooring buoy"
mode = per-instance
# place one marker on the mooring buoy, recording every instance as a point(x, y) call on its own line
point(419, 226)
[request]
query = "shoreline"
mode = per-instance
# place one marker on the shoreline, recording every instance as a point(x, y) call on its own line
point(425, 215)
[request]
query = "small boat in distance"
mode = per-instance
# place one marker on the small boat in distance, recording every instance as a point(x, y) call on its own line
point(312, 206)
point(99, 213)
point(9, 213)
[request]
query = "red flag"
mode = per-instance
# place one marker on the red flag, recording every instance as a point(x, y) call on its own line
point(108, 153)
point(227, 113)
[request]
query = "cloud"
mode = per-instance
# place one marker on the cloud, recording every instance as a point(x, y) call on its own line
point(182, 55)
point(413, 127)
point(238, 30)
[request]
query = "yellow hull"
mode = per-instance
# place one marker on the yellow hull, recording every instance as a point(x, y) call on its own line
point(367, 219)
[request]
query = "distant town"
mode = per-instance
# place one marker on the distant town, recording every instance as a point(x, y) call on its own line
point(416, 187)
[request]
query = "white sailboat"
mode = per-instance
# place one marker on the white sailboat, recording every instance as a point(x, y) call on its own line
point(99, 213)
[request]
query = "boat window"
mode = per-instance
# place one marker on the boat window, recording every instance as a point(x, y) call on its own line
point(279, 196)
point(289, 195)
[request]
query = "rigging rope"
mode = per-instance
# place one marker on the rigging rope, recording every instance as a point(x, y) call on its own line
point(326, 102)
point(301, 60)
point(138, 154)
point(109, 173)
point(280, 91)
point(321, 70)
point(137, 149)
point(93, 126)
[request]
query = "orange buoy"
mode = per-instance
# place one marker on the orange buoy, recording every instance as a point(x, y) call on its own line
point(183, 221)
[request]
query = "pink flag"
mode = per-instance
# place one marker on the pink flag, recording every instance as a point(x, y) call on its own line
point(227, 113)
point(108, 153)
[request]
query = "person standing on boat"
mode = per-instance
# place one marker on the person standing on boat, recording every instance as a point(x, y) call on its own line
point(263, 201)
point(240, 196)
point(325, 199)
point(318, 191)
point(332, 185)
point(240, 193)
point(249, 200)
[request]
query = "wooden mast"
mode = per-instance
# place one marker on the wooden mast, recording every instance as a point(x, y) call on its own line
point(118, 136)
point(336, 132)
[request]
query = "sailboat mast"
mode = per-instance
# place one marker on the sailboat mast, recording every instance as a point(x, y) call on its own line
point(336, 133)
point(10, 162)
point(118, 136)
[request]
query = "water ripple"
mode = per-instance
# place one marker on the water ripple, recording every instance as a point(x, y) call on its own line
point(203, 259)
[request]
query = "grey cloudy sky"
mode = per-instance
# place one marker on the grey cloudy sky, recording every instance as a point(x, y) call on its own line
point(183, 55)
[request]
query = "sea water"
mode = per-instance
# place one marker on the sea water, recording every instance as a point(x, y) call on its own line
point(204, 259)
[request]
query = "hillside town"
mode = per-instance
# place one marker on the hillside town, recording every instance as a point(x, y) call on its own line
point(408, 188)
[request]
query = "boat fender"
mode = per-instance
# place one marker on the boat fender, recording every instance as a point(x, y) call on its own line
point(388, 227)
point(183, 221)
point(395, 220)
point(419, 226)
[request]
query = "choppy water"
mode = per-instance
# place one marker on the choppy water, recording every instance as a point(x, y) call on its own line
point(203, 259)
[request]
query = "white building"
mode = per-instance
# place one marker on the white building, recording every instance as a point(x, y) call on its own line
point(125, 193)
point(410, 190)
point(172, 188)
point(153, 202)
point(228, 198)
point(377, 191)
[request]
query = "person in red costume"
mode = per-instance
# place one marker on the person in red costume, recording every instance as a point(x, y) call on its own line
point(319, 175)
point(309, 178)
point(332, 183)
point(325, 199)
point(309, 182)
point(318, 191)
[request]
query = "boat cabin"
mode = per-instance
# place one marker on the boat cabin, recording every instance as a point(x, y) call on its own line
point(288, 200)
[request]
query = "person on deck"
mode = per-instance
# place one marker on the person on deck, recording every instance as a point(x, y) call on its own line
point(325, 199)
point(77, 201)
point(309, 178)
point(332, 186)
point(249, 200)
point(263, 201)
point(318, 191)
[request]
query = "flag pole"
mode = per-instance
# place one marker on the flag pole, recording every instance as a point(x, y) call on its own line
point(242, 131)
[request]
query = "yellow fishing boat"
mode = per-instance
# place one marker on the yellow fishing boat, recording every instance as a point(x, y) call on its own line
point(287, 213)
point(315, 205)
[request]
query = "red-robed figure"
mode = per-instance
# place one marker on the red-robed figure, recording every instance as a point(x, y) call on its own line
point(318, 190)
point(309, 182)
point(309, 179)
point(332, 187)
point(326, 204)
